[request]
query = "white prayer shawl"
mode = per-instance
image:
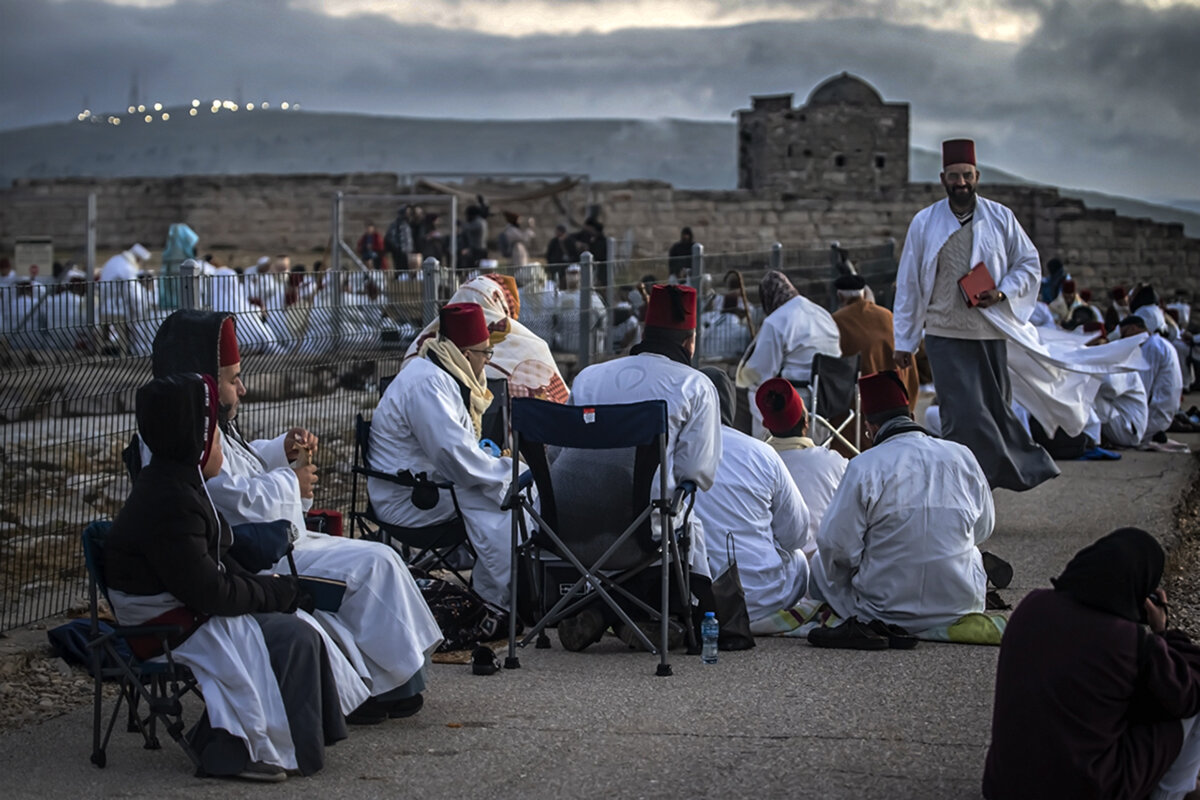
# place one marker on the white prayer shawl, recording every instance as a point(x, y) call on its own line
point(785, 345)
point(816, 471)
point(1163, 382)
point(899, 542)
point(229, 659)
point(421, 425)
point(383, 626)
point(755, 499)
point(1054, 378)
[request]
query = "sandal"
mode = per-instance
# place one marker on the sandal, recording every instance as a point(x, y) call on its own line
point(484, 661)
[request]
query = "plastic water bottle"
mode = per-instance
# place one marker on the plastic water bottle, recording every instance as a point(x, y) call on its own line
point(709, 629)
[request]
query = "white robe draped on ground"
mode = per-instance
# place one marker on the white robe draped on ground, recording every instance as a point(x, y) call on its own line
point(899, 542)
point(754, 498)
point(384, 625)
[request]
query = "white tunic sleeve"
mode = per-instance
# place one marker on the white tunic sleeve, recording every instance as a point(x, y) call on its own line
point(244, 493)
point(908, 310)
point(840, 539)
point(697, 453)
point(789, 513)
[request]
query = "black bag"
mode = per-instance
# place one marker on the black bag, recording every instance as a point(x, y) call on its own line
point(260, 545)
point(465, 618)
point(730, 600)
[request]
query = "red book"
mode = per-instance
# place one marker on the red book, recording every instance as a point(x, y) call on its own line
point(975, 282)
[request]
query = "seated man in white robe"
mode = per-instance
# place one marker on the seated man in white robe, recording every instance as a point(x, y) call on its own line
point(1162, 380)
point(1120, 406)
point(659, 368)
point(430, 421)
point(816, 470)
point(754, 500)
point(383, 625)
point(897, 553)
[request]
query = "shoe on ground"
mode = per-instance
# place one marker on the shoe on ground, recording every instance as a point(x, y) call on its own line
point(398, 709)
point(586, 627)
point(850, 635)
point(483, 662)
point(259, 772)
point(998, 571)
point(897, 637)
point(371, 712)
point(675, 634)
point(994, 602)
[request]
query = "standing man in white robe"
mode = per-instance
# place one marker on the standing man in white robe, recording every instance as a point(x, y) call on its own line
point(967, 352)
point(899, 543)
point(816, 470)
point(794, 331)
point(1162, 380)
point(430, 420)
point(383, 626)
point(754, 499)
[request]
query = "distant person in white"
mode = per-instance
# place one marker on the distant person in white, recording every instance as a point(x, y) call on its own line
point(1162, 379)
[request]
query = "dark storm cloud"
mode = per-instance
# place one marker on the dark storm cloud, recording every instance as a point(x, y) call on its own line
point(1099, 84)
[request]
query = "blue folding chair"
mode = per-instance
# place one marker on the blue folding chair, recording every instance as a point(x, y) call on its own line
point(161, 685)
point(605, 539)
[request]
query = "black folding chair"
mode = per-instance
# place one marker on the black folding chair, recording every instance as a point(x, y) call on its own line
point(428, 546)
point(834, 386)
point(160, 684)
point(606, 539)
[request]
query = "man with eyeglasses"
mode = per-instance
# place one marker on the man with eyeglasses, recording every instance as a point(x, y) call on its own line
point(430, 420)
point(967, 326)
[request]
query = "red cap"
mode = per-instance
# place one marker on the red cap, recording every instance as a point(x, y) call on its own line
point(780, 404)
point(1085, 295)
point(1068, 286)
point(1093, 327)
point(958, 151)
point(882, 391)
point(463, 324)
point(229, 348)
point(1118, 293)
point(672, 307)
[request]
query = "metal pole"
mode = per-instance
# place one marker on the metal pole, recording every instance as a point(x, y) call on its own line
point(429, 276)
point(187, 284)
point(585, 309)
point(777, 257)
point(610, 295)
point(336, 269)
point(696, 280)
point(91, 260)
point(453, 233)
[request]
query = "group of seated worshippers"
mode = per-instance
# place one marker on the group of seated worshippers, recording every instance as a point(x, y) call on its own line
point(276, 691)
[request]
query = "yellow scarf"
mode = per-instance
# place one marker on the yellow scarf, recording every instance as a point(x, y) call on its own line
point(453, 361)
point(782, 443)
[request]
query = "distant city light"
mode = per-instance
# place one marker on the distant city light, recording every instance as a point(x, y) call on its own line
point(115, 120)
point(149, 118)
point(158, 106)
point(166, 116)
point(141, 109)
point(132, 109)
point(191, 112)
point(265, 104)
point(214, 109)
point(195, 103)
point(249, 106)
point(284, 105)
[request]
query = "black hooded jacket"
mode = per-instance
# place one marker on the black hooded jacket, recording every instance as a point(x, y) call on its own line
point(175, 347)
point(168, 537)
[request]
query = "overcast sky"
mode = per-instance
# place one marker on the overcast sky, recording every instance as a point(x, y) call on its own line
point(1099, 94)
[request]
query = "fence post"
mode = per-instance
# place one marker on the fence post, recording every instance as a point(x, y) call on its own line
point(696, 281)
point(335, 266)
point(187, 284)
point(429, 294)
point(585, 309)
point(610, 295)
point(777, 256)
point(91, 260)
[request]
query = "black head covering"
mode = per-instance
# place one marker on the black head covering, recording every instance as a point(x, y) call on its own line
point(1143, 296)
point(1132, 319)
point(850, 283)
point(177, 417)
point(1115, 574)
point(725, 392)
point(188, 341)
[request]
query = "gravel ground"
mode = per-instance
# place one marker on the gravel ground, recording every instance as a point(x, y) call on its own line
point(1182, 580)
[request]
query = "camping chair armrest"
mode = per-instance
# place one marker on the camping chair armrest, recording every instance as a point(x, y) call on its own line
point(682, 491)
point(524, 481)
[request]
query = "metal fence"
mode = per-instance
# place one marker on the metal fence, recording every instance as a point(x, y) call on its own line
point(315, 352)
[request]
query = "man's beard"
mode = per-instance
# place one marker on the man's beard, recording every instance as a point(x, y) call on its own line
point(961, 195)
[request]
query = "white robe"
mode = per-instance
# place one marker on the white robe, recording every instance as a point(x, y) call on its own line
point(900, 541)
point(384, 626)
point(229, 659)
point(787, 341)
point(1163, 382)
point(421, 425)
point(1054, 378)
point(755, 499)
point(816, 471)
point(1121, 408)
point(693, 417)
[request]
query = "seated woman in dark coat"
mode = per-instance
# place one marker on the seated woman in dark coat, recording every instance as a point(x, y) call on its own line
point(1089, 702)
point(275, 688)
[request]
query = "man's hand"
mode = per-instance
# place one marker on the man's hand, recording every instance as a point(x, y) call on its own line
point(299, 439)
point(1156, 612)
point(903, 359)
point(989, 297)
point(307, 476)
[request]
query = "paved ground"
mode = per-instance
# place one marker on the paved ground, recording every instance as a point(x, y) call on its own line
point(781, 720)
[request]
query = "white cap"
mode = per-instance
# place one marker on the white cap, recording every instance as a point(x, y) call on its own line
point(262, 262)
point(74, 273)
point(139, 252)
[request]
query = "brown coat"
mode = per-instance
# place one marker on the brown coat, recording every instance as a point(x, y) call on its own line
point(866, 329)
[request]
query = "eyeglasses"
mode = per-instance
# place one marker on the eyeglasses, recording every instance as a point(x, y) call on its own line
point(488, 353)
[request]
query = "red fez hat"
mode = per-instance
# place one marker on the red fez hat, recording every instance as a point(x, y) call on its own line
point(1085, 295)
point(672, 307)
point(463, 323)
point(882, 391)
point(780, 404)
point(1068, 285)
point(1093, 327)
point(1118, 293)
point(958, 151)
point(228, 348)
